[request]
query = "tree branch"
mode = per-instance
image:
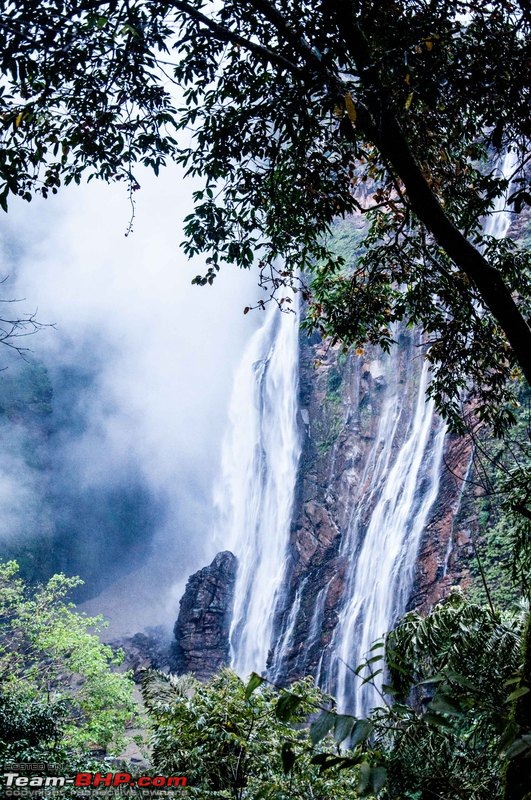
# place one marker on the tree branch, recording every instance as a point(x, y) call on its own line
point(226, 35)
point(381, 126)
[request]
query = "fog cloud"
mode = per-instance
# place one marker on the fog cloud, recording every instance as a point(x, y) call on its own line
point(161, 354)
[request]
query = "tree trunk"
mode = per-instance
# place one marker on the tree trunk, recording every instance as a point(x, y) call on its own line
point(388, 136)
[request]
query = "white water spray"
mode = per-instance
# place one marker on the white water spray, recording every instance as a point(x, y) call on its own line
point(254, 496)
point(404, 482)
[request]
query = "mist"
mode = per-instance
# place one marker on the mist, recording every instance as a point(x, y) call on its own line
point(143, 363)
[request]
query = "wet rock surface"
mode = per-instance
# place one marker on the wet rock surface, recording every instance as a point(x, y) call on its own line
point(202, 629)
point(342, 400)
point(150, 649)
point(444, 552)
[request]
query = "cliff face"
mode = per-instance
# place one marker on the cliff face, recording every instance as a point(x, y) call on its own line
point(202, 627)
point(446, 548)
point(343, 400)
point(355, 416)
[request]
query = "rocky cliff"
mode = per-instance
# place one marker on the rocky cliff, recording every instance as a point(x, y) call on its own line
point(202, 627)
point(342, 401)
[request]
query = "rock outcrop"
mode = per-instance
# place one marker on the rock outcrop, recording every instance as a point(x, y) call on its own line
point(446, 547)
point(202, 628)
point(149, 649)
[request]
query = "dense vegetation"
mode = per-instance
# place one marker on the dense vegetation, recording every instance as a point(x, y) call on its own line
point(59, 693)
point(455, 728)
point(451, 731)
point(236, 743)
point(495, 502)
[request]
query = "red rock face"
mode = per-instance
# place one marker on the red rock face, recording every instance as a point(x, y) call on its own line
point(341, 401)
point(446, 546)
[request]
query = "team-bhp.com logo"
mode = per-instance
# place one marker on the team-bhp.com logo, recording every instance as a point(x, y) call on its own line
point(14, 780)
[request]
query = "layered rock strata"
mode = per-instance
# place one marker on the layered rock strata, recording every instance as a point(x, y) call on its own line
point(202, 628)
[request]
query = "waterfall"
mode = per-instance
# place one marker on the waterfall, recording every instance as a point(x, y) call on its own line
point(498, 222)
point(254, 496)
point(390, 507)
point(401, 494)
point(404, 482)
point(281, 646)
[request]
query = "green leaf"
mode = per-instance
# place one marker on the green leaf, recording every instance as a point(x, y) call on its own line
point(437, 719)
point(435, 679)
point(343, 727)
point(362, 730)
point(517, 693)
point(320, 727)
point(387, 688)
point(365, 777)
point(287, 703)
point(456, 677)
point(378, 778)
point(371, 676)
point(442, 704)
point(517, 747)
point(254, 682)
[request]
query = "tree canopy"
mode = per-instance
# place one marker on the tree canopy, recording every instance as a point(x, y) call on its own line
point(59, 691)
point(300, 113)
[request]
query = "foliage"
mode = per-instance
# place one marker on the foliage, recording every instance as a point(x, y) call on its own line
point(461, 666)
point(233, 743)
point(454, 728)
point(301, 113)
point(496, 554)
point(30, 730)
point(54, 668)
point(502, 472)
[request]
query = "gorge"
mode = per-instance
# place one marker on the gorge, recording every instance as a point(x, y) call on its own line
point(333, 548)
point(336, 506)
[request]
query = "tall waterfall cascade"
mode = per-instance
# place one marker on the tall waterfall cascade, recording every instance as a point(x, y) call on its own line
point(403, 488)
point(254, 496)
point(382, 546)
point(389, 508)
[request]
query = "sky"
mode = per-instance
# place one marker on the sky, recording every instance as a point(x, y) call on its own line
point(164, 352)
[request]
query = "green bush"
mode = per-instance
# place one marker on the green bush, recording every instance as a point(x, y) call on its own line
point(53, 667)
point(232, 744)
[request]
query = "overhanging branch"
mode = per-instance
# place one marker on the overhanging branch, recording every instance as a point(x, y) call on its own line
point(226, 35)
